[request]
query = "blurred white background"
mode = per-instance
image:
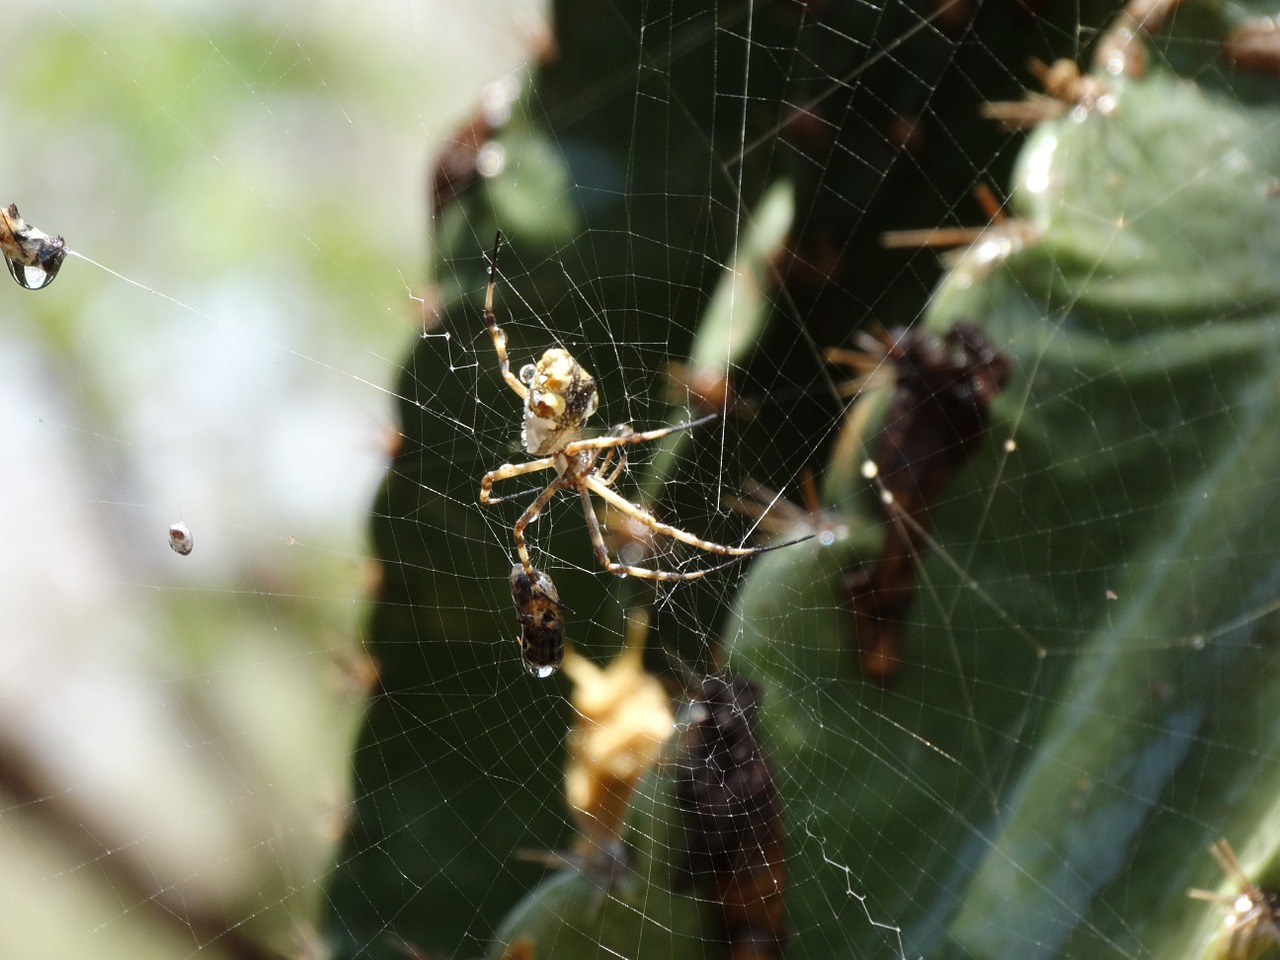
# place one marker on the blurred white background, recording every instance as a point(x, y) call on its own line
point(174, 730)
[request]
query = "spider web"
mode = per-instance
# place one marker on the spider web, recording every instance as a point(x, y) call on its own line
point(313, 736)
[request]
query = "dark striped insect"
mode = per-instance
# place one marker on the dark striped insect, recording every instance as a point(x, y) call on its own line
point(733, 815)
point(937, 417)
point(541, 623)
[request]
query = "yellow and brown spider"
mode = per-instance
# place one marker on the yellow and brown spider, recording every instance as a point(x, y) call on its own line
point(558, 396)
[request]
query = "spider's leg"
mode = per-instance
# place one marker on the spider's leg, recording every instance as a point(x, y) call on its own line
point(509, 470)
point(530, 514)
point(602, 550)
point(617, 470)
point(657, 526)
point(631, 437)
point(496, 332)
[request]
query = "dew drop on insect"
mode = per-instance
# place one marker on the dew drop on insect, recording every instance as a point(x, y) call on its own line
point(32, 256)
point(30, 277)
point(543, 671)
point(180, 539)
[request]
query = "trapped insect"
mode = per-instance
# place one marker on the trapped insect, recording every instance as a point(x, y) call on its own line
point(33, 257)
point(180, 539)
point(936, 420)
point(541, 624)
point(733, 814)
point(559, 395)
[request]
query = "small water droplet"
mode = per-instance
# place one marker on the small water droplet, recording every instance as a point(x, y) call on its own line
point(543, 671)
point(491, 160)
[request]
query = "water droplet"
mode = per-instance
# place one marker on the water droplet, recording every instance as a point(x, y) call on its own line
point(33, 278)
point(491, 160)
point(543, 671)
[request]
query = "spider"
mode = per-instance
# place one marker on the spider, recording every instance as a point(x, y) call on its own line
point(559, 395)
